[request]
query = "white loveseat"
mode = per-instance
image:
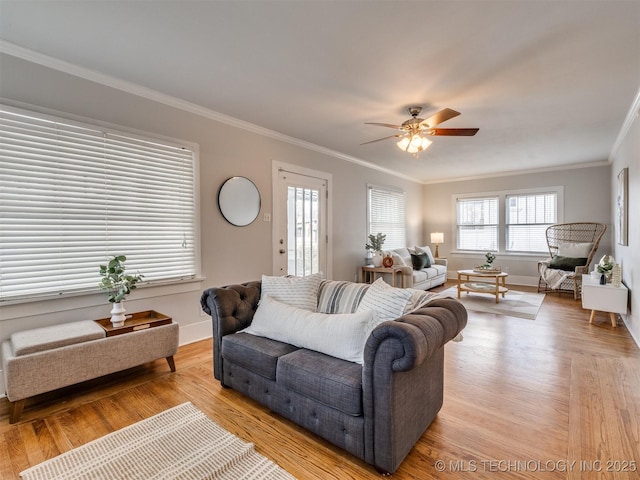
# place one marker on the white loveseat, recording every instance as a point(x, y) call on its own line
point(424, 279)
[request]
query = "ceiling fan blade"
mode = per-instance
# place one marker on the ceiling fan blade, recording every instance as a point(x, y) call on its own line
point(398, 127)
point(454, 132)
point(385, 138)
point(439, 117)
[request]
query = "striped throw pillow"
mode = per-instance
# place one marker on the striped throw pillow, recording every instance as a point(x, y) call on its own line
point(386, 301)
point(301, 292)
point(340, 297)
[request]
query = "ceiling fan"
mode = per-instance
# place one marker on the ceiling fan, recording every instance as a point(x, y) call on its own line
point(413, 138)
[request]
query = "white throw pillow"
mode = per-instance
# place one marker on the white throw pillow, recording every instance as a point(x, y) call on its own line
point(301, 292)
point(341, 335)
point(575, 250)
point(386, 301)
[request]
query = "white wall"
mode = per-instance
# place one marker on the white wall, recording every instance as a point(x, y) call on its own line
point(587, 197)
point(229, 254)
point(627, 155)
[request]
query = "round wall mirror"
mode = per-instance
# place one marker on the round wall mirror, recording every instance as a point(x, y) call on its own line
point(239, 201)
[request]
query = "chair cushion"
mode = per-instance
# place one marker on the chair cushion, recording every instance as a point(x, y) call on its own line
point(56, 336)
point(567, 263)
point(256, 354)
point(575, 249)
point(328, 380)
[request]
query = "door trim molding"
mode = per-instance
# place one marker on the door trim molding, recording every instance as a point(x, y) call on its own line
point(276, 168)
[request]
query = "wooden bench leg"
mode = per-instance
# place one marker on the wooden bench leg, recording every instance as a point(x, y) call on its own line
point(172, 364)
point(16, 410)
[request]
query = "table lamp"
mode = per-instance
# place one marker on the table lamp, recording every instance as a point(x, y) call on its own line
point(437, 238)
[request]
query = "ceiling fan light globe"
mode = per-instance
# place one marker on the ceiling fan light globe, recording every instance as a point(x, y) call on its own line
point(403, 143)
point(416, 140)
point(425, 143)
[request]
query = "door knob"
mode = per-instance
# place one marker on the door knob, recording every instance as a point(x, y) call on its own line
point(283, 251)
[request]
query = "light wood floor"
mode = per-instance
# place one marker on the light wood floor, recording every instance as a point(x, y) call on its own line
point(523, 399)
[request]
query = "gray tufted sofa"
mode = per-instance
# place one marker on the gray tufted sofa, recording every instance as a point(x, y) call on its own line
point(376, 411)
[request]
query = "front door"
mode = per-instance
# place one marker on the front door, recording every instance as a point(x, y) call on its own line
point(300, 222)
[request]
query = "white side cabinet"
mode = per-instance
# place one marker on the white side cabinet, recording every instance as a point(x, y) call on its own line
point(604, 298)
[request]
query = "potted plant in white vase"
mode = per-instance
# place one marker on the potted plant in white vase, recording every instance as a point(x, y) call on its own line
point(375, 245)
point(118, 285)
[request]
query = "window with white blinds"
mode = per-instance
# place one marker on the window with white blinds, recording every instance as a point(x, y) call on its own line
point(477, 223)
point(72, 195)
point(386, 214)
point(527, 219)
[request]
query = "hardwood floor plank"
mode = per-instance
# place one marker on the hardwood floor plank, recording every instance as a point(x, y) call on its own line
point(521, 397)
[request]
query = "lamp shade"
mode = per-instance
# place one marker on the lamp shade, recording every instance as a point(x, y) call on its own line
point(437, 237)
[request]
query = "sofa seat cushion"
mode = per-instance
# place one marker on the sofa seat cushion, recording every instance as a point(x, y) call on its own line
point(420, 276)
point(328, 380)
point(257, 354)
point(56, 336)
point(432, 272)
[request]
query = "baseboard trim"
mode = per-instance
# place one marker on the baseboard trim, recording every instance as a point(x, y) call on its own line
point(195, 332)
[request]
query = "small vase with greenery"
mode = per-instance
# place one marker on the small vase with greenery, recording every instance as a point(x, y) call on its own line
point(118, 285)
point(605, 266)
point(490, 257)
point(375, 245)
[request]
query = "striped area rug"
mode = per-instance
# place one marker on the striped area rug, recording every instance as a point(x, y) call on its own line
point(514, 304)
point(179, 443)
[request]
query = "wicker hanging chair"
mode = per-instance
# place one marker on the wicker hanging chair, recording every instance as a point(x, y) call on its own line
point(568, 233)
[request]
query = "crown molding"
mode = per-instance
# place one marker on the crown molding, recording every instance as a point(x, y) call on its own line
point(634, 112)
point(150, 94)
point(521, 172)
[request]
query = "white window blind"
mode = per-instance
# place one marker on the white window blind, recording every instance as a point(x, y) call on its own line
point(387, 216)
point(527, 218)
point(477, 223)
point(72, 195)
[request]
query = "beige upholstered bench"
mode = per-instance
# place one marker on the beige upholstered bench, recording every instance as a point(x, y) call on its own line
point(44, 359)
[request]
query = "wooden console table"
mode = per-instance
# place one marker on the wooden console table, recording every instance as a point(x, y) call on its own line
point(369, 274)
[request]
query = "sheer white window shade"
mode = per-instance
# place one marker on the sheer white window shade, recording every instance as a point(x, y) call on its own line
point(73, 195)
point(527, 218)
point(387, 216)
point(477, 223)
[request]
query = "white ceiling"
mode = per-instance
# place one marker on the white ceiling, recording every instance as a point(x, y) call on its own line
point(549, 83)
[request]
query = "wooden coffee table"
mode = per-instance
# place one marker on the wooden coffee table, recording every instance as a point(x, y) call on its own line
point(465, 284)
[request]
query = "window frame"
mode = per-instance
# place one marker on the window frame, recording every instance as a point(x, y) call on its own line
point(458, 224)
point(159, 284)
point(508, 223)
point(396, 192)
point(502, 234)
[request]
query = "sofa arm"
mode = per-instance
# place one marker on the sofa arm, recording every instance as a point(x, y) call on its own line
point(411, 339)
point(231, 309)
point(441, 261)
point(402, 379)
